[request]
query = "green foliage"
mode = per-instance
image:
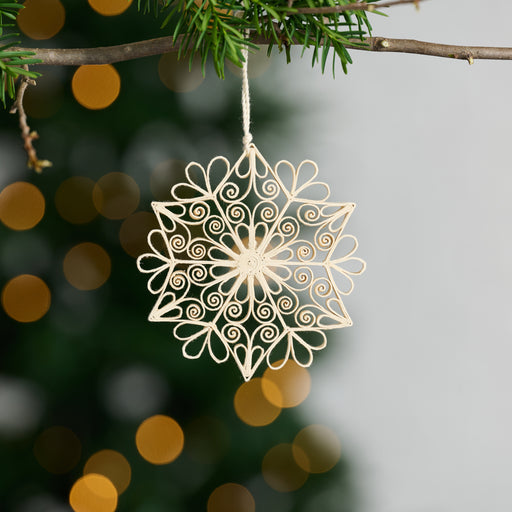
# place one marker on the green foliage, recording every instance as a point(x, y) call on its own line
point(11, 62)
point(217, 27)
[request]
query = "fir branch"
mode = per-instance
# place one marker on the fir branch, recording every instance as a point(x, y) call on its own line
point(216, 27)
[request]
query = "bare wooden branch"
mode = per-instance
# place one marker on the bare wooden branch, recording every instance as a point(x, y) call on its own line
point(103, 54)
point(469, 53)
point(27, 135)
point(358, 6)
point(158, 46)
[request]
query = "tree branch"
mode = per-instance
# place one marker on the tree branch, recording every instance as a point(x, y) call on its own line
point(158, 46)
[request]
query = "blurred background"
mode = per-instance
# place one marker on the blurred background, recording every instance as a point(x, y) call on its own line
point(99, 411)
point(407, 411)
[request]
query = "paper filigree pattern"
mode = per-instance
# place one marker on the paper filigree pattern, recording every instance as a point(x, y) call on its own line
point(251, 262)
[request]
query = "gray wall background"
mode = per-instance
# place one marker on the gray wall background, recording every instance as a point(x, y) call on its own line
point(419, 388)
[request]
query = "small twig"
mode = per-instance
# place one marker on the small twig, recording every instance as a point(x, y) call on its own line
point(27, 135)
point(358, 6)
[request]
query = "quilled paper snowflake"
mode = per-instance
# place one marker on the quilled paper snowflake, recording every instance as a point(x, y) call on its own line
point(251, 262)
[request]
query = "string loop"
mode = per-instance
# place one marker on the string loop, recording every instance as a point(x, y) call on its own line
point(246, 100)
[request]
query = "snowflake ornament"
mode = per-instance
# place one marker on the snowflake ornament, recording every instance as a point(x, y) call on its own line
point(251, 262)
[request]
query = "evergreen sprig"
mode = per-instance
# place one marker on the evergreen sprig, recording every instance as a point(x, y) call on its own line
point(11, 62)
point(217, 27)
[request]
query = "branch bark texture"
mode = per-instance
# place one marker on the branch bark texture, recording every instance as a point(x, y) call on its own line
point(158, 46)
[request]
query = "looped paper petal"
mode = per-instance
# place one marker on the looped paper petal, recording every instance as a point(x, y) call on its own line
point(251, 262)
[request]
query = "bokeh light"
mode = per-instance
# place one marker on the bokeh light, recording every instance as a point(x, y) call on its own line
point(252, 407)
point(87, 266)
point(280, 470)
point(134, 232)
point(57, 449)
point(93, 493)
point(26, 298)
point(135, 392)
point(164, 176)
point(41, 19)
point(231, 497)
point(73, 200)
point(42, 502)
point(110, 7)
point(21, 407)
point(96, 86)
point(116, 195)
point(112, 465)
point(177, 75)
point(159, 439)
point(316, 449)
point(293, 383)
point(207, 439)
point(21, 205)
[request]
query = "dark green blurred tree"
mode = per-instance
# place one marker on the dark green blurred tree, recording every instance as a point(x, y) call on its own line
point(93, 363)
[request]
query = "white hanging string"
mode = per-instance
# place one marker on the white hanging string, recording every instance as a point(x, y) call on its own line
point(246, 100)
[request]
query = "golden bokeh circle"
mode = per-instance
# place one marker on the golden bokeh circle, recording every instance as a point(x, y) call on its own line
point(231, 497)
point(110, 7)
point(280, 470)
point(159, 439)
point(292, 381)
point(252, 407)
point(41, 19)
point(96, 86)
point(26, 298)
point(93, 493)
point(133, 234)
point(112, 465)
point(73, 200)
point(21, 205)
point(316, 449)
point(116, 195)
point(57, 449)
point(87, 266)
point(177, 75)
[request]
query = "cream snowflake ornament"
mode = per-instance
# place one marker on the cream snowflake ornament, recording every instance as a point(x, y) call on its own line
point(251, 262)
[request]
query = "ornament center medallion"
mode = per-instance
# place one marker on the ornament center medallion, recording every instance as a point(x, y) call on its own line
point(250, 262)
